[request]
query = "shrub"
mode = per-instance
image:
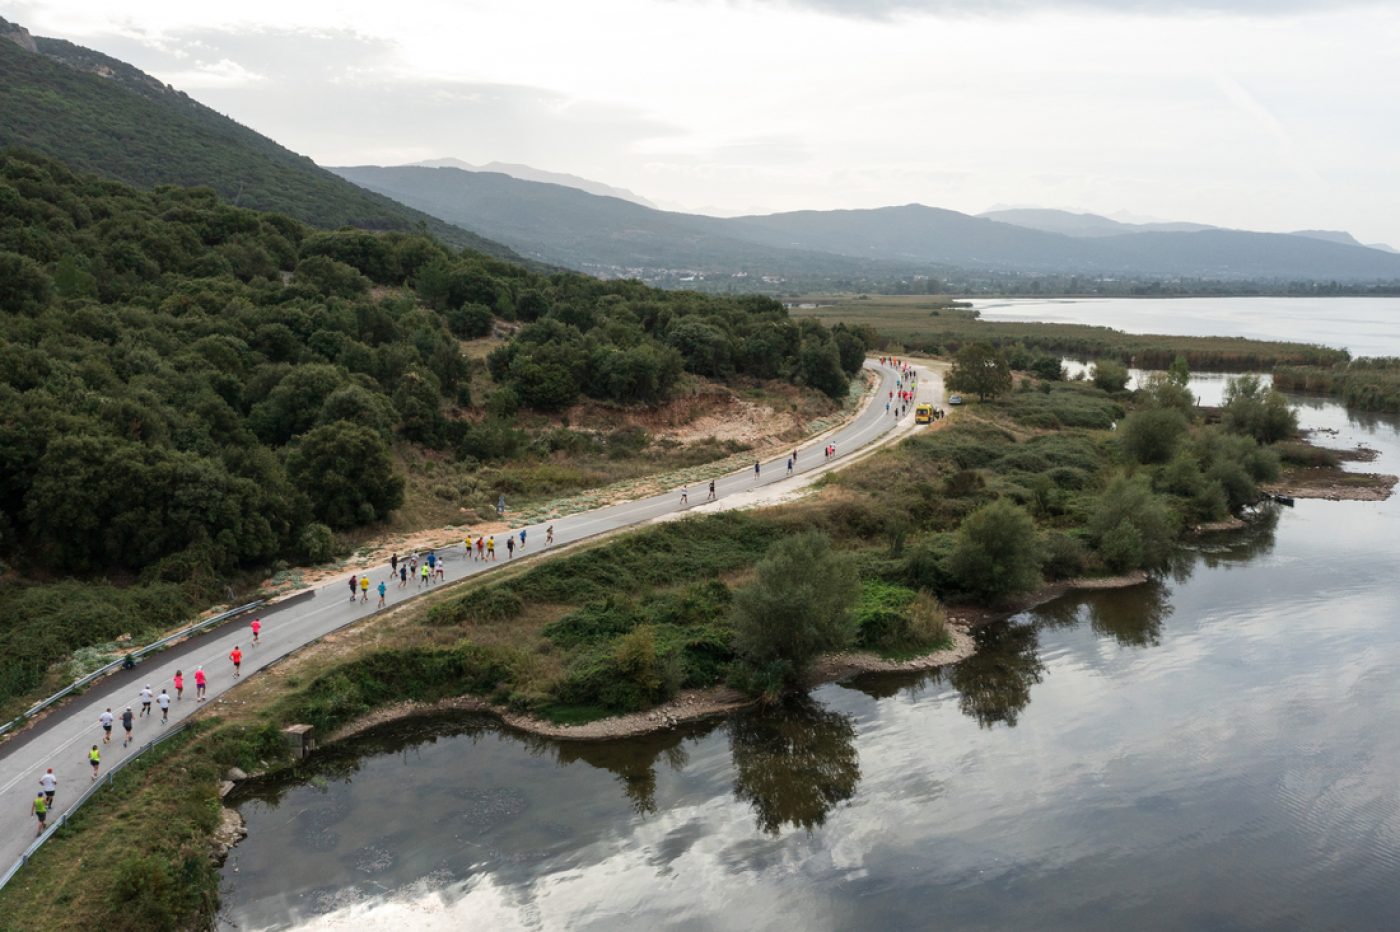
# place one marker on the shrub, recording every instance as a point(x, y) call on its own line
point(625, 677)
point(1131, 527)
point(476, 608)
point(798, 608)
point(996, 553)
point(1110, 375)
point(1258, 412)
point(317, 543)
point(1064, 557)
point(1152, 435)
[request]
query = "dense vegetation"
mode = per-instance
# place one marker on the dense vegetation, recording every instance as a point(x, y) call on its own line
point(101, 115)
point(931, 325)
point(1368, 384)
point(189, 388)
point(1034, 485)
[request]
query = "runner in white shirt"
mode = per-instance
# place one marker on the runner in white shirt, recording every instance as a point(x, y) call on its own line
point(146, 699)
point(106, 719)
point(49, 784)
point(163, 700)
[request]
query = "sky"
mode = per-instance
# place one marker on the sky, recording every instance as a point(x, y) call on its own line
point(1259, 114)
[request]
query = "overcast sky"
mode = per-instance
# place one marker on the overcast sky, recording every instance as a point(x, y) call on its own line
point(1264, 114)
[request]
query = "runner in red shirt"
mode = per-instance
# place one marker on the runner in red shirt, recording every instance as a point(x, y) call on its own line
point(257, 629)
point(199, 683)
point(236, 656)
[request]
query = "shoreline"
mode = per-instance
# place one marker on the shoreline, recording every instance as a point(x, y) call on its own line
point(693, 705)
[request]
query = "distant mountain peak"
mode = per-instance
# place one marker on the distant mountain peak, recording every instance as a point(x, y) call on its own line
point(530, 173)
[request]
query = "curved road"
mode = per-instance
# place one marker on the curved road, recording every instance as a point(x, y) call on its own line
point(61, 740)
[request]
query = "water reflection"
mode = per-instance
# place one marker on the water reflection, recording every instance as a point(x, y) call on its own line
point(793, 763)
point(994, 684)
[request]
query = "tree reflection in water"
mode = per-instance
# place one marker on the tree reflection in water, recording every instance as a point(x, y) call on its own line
point(995, 683)
point(793, 763)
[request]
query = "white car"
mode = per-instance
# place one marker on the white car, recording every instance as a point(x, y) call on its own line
point(955, 399)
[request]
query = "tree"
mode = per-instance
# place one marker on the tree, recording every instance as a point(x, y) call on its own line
point(1180, 371)
point(346, 472)
point(981, 369)
point(24, 286)
point(1131, 527)
point(1257, 411)
point(798, 607)
point(1110, 375)
point(996, 552)
point(1151, 435)
point(1162, 391)
point(821, 368)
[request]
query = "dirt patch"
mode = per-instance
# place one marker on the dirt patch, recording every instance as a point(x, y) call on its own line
point(840, 666)
point(1231, 523)
point(1335, 485)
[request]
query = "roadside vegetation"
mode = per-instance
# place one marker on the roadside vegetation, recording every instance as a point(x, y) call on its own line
point(193, 394)
point(935, 326)
point(1050, 481)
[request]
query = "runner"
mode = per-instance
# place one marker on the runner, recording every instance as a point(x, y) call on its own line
point(491, 546)
point(432, 563)
point(711, 496)
point(41, 812)
point(685, 495)
point(364, 589)
point(423, 579)
point(789, 466)
point(126, 725)
point(236, 656)
point(179, 686)
point(755, 469)
point(257, 630)
point(94, 758)
point(403, 577)
point(163, 700)
point(510, 546)
point(199, 683)
point(522, 538)
point(480, 548)
point(442, 569)
point(49, 783)
point(413, 565)
point(394, 563)
point(106, 719)
point(353, 581)
point(146, 695)
point(549, 535)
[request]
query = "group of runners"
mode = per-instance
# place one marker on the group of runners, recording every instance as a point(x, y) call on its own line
point(43, 803)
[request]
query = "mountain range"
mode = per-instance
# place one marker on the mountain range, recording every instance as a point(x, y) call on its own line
point(96, 113)
point(556, 223)
point(99, 114)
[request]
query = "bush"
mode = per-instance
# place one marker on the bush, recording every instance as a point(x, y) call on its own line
point(155, 892)
point(1065, 557)
point(487, 606)
point(996, 552)
point(630, 675)
point(798, 608)
point(318, 543)
point(1152, 435)
point(1110, 375)
point(1258, 412)
point(1131, 527)
point(892, 618)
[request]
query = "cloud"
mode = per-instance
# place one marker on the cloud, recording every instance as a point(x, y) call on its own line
point(222, 73)
point(886, 9)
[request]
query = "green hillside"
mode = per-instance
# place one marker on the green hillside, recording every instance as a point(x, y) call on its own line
point(101, 115)
point(191, 390)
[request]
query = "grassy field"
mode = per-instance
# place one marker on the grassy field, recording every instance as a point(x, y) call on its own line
point(931, 325)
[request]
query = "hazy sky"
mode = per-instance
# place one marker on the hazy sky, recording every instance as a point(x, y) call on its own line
point(1266, 114)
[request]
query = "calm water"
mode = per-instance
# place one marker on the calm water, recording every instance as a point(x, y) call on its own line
point(1364, 326)
point(1216, 750)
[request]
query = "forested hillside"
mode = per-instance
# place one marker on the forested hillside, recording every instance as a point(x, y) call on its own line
point(98, 114)
point(188, 388)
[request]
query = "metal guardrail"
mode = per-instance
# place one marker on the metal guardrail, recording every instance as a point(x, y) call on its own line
point(87, 794)
point(134, 655)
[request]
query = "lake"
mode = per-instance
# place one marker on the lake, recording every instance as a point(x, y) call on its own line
point(1217, 749)
point(1363, 326)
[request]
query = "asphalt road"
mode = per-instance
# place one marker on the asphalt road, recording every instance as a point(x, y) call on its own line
point(62, 739)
